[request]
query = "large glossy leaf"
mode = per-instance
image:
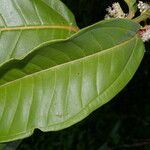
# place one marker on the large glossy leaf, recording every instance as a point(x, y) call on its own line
point(60, 84)
point(25, 24)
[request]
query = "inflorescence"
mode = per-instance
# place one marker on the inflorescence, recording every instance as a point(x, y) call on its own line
point(143, 6)
point(116, 12)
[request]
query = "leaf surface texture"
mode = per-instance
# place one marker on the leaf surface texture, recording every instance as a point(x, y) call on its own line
point(26, 24)
point(63, 82)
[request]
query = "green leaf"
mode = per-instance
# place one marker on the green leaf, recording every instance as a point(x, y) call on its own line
point(25, 24)
point(63, 82)
point(2, 146)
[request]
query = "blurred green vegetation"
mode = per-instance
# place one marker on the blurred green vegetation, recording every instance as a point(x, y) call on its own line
point(121, 124)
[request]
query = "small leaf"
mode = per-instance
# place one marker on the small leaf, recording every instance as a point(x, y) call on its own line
point(63, 82)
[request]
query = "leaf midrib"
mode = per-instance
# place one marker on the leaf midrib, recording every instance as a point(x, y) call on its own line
point(70, 28)
point(70, 62)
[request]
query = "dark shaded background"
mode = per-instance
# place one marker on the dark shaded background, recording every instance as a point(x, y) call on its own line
point(121, 124)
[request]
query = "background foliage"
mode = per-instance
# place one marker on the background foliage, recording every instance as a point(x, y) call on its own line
point(122, 124)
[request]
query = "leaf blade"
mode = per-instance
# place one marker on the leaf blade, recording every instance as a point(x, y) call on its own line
point(27, 24)
point(76, 76)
